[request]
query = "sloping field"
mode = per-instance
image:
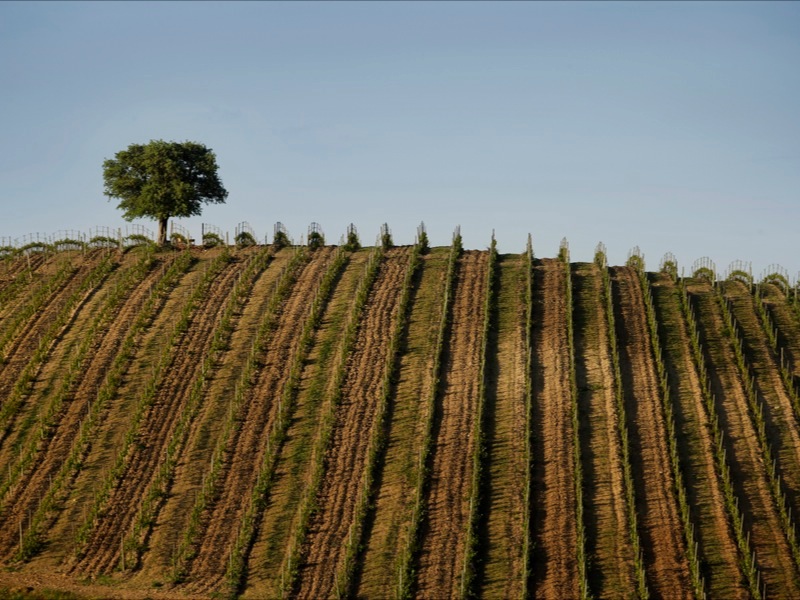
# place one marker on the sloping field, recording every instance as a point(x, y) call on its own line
point(401, 422)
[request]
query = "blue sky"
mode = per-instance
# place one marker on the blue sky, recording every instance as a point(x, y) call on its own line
point(671, 126)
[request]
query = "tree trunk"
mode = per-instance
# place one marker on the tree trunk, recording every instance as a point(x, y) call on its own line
point(162, 231)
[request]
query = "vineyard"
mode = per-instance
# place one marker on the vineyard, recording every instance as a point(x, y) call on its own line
point(316, 421)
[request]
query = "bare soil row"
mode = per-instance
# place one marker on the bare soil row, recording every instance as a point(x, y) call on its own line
point(53, 449)
point(547, 521)
point(659, 517)
point(355, 418)
point(749, 473)
point(611, 559)
point(441, 561)
point(103, 551)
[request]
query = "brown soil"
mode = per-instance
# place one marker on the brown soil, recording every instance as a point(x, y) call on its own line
point(355, 417)
point(195, 463)
point(115, 418)
point(54, 450)
point(659, 517)
point(781, 419)
point(713, 528)
point(394, 500)
point(102, 552)
point(787, 320)
point(21, 348)
point(554, 532)
point(15, 270)
point(608, 542)
point(751, 482)
point(447, 507)
point(246, 449)
point(292, 469)
point(506, 415)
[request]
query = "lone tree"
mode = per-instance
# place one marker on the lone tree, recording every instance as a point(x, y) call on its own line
point(162, 179)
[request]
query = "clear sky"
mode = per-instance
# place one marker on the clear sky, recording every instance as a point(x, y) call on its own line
point(671, 126)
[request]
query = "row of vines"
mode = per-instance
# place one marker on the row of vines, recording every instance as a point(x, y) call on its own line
point(120, 364)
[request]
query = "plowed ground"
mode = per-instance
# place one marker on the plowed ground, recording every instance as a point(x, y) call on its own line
point(748, 472)
point(780, 415)
point(355, 418)
point(294, 463)
point(54, 449)
point(505, 436)
point(102, 552)
point(394, 501)
point(190, 471)
point(659, 518)
point(453, 393)
point(555, 569)
point(713, 527)
point(447, 508)
point(246, 448)
point(19, 351)
point(786, 318)
point(608, 536)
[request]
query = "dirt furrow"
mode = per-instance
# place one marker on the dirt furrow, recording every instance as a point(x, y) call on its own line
point(394, 500)
point(554, 530)
point(659, 517)
point(355, 416)
point(246, 449)
point(294, 462)
point(22, 347)
point(442, 554)
point(748, 472)
point(102, 551)
point(713, 528)
point(55, 448)
point(787, 320)
point(117, 414)
point(18, 279)
point(505, 433)
point(610, 556)
point(27, 278)
point(194, 466)
point(781, 420)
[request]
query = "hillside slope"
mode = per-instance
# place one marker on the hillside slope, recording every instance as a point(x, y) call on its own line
point(301, 422)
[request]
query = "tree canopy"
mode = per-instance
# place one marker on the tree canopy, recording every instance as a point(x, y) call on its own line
point(159, 180)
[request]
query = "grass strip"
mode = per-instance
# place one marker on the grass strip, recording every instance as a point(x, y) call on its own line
point(308, 505)
point(32, 537)
point(409, 554)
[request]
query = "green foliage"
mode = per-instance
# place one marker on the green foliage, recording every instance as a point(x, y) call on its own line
point(245, 239)
point(69, 244)
point(281, 240)
point(386, 237)
point(353, 243)
point(34, 247)
point(211, 240)
point(137, 239)
point(704, 273)
point(423, 243)
point(38, 594)
point(103, 241)
point(316, 239)
point(740, 275)
point(178, 239)
point(670, 267)
point(159, 180)
point(635, 262)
